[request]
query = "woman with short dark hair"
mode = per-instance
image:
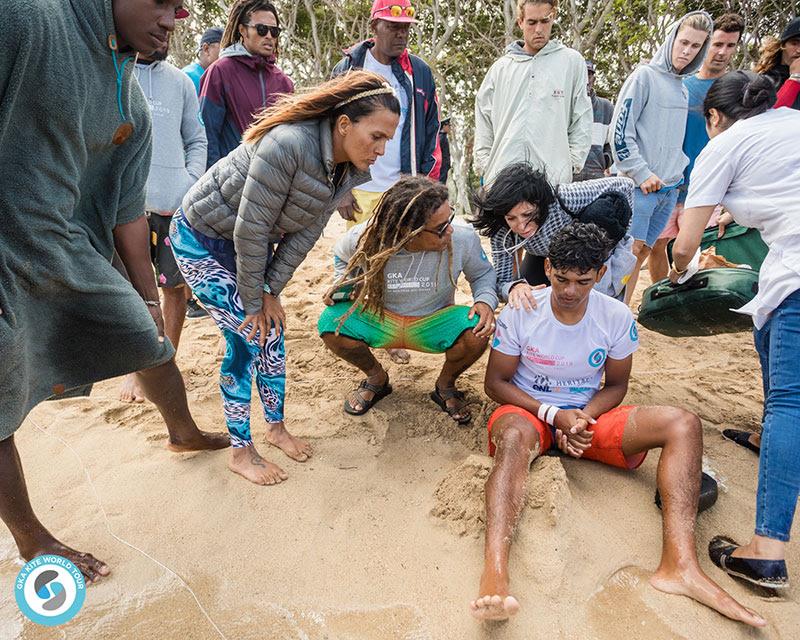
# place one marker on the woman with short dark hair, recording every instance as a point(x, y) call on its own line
point(521, 212)
point(746, 168)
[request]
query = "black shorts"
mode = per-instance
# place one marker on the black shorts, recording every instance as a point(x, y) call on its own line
point(167, 273)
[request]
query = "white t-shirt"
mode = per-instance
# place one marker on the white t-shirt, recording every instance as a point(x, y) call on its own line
point(386, 171)
point(753, 171)
point(562, 364)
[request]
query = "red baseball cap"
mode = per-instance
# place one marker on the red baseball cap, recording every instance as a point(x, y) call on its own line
point(181, 13)
point(393, 11)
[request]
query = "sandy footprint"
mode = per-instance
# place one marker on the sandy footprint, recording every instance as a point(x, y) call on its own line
point(619, 606)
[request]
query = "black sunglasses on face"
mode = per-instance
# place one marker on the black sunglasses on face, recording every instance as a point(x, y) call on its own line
point(442, 228)
point(264, 29)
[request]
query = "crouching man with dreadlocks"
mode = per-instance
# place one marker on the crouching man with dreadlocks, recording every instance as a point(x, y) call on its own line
point(545, 369)
point(395, 285)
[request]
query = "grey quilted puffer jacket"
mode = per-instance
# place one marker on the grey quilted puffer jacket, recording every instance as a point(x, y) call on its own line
point(279, 189)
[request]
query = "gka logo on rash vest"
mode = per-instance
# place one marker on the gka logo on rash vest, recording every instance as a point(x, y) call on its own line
point(597, 357)
point(50, 590)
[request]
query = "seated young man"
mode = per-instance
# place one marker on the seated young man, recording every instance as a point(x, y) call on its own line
point(545, 370)
point(396, 278)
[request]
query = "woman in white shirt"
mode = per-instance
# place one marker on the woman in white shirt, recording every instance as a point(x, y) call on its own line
point(750, 167)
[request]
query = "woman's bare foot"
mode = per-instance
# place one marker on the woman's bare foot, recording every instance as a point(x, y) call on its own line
point(494, 603)
point(199, 441)
point(131, 391)
point(92, 568)
point(295, 448)
point(399, 356)
point(695, 584)
point(247, 462)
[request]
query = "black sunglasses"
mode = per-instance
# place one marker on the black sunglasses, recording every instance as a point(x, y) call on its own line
point(442, 228)
point(264, 29)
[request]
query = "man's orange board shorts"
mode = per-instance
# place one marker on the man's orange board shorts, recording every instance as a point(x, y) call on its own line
point(606, 443)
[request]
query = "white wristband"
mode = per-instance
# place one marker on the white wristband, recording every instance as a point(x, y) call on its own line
point(547, 413)
point(542, 413)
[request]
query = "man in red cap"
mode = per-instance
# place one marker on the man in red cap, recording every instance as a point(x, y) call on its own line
point(72, 192)
point(415, 146)
point(414, 149)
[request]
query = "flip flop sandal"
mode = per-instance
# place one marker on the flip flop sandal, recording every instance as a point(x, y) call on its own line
point(366, 405)
point(770, 574)
point(742, 438)
point(441, 397)
point(708, 493)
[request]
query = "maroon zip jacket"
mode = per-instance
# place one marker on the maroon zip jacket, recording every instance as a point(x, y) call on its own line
point(232, 91)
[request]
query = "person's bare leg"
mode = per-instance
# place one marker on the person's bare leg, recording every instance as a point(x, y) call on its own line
point(173, 308)
point(517, 442)
point(658, 263)
point(457, 359)
point(641, 251)
point(359, 355)
point(679, 435)
point(163, 386)
point(17, 513)
point(762, 548)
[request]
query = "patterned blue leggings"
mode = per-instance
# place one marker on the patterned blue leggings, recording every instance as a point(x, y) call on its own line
point(215, 286)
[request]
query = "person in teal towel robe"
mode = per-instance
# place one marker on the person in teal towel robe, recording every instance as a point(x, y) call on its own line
point(75, 152)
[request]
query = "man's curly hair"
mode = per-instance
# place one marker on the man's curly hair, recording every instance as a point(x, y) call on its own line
point(580, 247)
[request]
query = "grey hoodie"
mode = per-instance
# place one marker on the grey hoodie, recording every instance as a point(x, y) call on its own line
point(179, 139)
point(418, 283)
point(650, 116)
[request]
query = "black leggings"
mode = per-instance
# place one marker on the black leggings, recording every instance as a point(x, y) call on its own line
point(533, 270)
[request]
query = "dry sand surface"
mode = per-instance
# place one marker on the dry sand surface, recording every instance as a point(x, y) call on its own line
point(379, 536)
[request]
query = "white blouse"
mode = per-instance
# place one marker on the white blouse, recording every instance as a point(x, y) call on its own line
point(753, 170)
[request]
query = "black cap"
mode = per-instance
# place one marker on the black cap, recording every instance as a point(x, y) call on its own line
point(211, 36)
point(590, 66)
point(792, 30)
point(444, 121)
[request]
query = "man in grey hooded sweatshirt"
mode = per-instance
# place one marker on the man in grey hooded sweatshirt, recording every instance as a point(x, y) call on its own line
point(648, 126)
point(177, 162)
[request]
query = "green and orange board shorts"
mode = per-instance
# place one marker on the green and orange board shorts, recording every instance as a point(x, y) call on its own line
point(435, 333)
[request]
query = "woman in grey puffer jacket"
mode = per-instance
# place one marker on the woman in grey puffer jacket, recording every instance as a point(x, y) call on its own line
point(297, 161)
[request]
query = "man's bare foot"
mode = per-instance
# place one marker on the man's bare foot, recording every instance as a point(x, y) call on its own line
point(695, 584)
point(494, 603)
point(295, 448)
point(247, 462)
point(494, 607)
point(199, 441)
point(131, 391)
point(399, 356)
point(92, 568)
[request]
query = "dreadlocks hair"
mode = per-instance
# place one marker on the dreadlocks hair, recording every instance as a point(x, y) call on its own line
point(518, 182)
point(401, 215)
point(323, 101)
point(240, 14)
point(579, 246)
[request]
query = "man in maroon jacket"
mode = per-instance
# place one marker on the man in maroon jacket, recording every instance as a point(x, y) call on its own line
point(244, 79)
